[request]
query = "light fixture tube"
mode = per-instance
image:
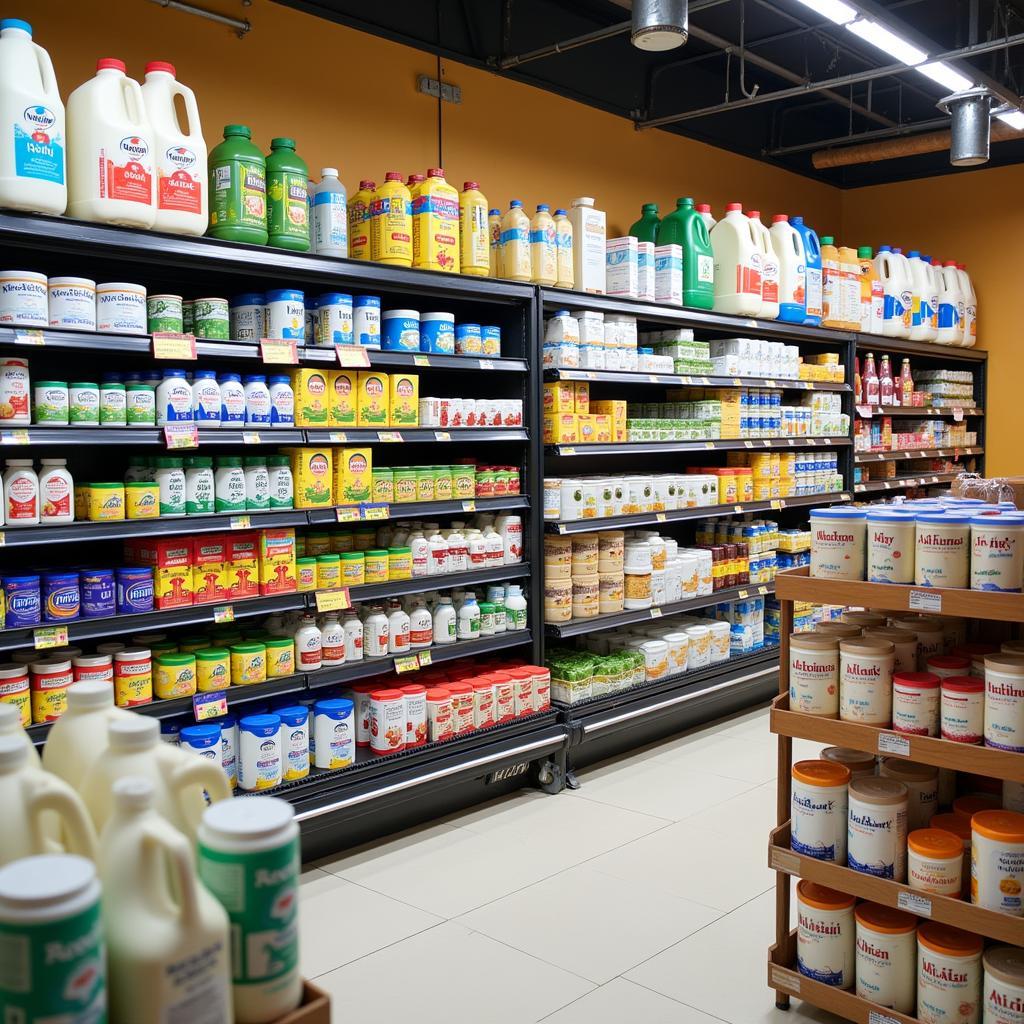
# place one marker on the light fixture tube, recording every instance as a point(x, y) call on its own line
point(885, 39)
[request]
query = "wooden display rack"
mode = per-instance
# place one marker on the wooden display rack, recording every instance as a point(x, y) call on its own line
point(783, 976)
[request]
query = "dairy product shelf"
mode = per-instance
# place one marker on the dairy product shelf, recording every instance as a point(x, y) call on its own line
point(896, 483)
point(959, 913)
point(904, 347)
point(688, 514)
point(122, 436)
point(867, 411)
point(721, 444)
point(426, 360)
point(577, 627)
point(461, 435)
point(416, 509)
point(949, 452)
point(447, 581)
point(678, 380)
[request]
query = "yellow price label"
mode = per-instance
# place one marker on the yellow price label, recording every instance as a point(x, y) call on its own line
point(655, 613)
point(333, 600)
point(770, 384)
point(568, 451)
point(778, 504)
point(241, 522)
point(736, 382)
point(486, 364)
point(167, 345)
point(424, 659)
point(389, 435)
point(372, 513)
point(469, 506)
point(653, 378)
point(347, 514)
point(442, 435)
point(420, 360)
point(737, 508)
point(338, 437)
point(249, 437)
point(352, 355)
point(743, 593)
point(709, 444)
point(748, 444)
point(223, 613)
point(407, 663)
point(3, 538)
point(279, 350)
point(762, 590)
point(29, 337)
point(50, 636)
point(660, 517)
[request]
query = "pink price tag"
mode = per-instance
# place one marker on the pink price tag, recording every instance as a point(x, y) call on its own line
point(181, 435)
point(210, 705)
point(352, 355)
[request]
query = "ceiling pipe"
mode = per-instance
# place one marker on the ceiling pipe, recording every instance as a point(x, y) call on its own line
point(933, 124)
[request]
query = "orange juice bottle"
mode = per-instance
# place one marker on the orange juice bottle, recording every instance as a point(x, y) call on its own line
point(435, 214)
point(359, 221)
point(494, 231)
point(391, 223)
point(474, 231)
point(514, 257)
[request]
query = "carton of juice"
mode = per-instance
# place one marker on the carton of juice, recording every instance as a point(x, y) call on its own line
point(311, 397)
point(277, 562)
point(405, 399)
point(353, 480)
point(373, 407)
point(171, 560)
point(312, 476)
point(210, 568)
point(341, 388)
point(243, 565)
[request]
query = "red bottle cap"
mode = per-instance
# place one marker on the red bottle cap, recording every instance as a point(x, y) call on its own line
point(780, 218)
point(105, 63)
point(161, 65)
point(733, 206)
point(467, 185)
point(435, 172)
point(392, 176)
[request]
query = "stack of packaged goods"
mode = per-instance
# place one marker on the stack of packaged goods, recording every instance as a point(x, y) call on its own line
point(590, 340)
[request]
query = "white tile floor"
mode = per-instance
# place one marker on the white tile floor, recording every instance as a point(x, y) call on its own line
point(644, 895)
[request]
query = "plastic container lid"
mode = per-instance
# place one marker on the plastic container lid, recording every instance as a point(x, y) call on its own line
point(951, 518)
point(822, 898)
point(204, 735)
point(386, 695)
point(161, 65)
point(853, 759)
point(1005, 826)
point(15, 23)
point(935, 842)
point(821, 773)
point(917, 680)
point(964, 684)
point(864, 252)
point(949, 941)
point(948, 661)
point(1011, 664)
point(339, 707)
point(975, 803)
point(839, 512)
point(908, 771)
point(110, 63)
point(885, 919)
point(1004, 963)
point(891, 515)
point(875, 790)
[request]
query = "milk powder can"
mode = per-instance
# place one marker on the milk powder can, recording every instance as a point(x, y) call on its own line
point(886, 956)
point(922, 783)
point(877, 833)
point(825, 948)
point(1003, 985)
point(948, 975)
point(935, 861)
point(997, 861)
point(819, 810)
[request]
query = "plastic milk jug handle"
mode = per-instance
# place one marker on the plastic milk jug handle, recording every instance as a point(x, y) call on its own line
point(162, 840)
point(45, 70)
point(133, 100)
point(195, 129)
point(199, 772)
point(49, 794)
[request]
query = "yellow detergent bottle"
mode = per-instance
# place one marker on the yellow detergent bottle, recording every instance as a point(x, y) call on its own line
point(474, 242)
point(494, 230)
point(359, 221)
point(391, 223)
point(436, 225)
point(515, 244)
point(543, 247)
point(563, 240)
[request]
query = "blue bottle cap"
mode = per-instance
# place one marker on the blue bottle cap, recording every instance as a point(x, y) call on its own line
point(248, 299)
point(255, 378)
point(15, 23)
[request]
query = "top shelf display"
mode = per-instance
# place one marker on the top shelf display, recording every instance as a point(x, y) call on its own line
point(901, 346)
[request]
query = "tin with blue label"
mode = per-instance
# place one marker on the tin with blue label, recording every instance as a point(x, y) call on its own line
point(437, 333)
point(61, 598)
point(203, 739)
point(400, 330)
point(23, 598)
point(334, 319)
point(490, 340)
point(134, 591)
point(98, 594)
point(366, 321)
point(468, 340)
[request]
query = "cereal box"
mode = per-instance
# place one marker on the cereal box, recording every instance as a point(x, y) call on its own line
point(558, 397)
point(243, 565)
point(561, 428)
point(341, 398)
point(311, 398)
point(581, 397)
point(353, 468)
point(405, 399)
point(313, 477)
point(277, 562)
point(210, 568)
point(372, 399)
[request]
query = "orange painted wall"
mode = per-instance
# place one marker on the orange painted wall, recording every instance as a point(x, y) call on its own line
point(350, 101)
point(970, 216)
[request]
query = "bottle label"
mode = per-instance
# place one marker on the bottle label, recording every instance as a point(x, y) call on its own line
point(239, 195)
point(179, 187)
point(56, 497)
point(330, 221)
point(38, 148)
point(127, 172)
point(288, 213)
point(705, 269)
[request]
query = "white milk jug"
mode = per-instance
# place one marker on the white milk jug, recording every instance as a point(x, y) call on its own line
point(737, 264)
point(167, 936)
point(78, 737)
point(951, 307)
point(934, 287)
point(179, 156)
point(134, 748)
point(27, 798)
point(32, 155)
point(769, 268)
point(896, 289)
point(110, 150)
point(789, 251)
point(920, 298)
point(970, 307)
point(10, 725)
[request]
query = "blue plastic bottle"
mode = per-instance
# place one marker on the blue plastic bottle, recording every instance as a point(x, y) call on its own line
point(812, 251)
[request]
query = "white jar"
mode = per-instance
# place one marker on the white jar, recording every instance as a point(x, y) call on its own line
point(72, 303)
point(200, 486)
point(23, 299)
point(282, 402)
point(120, 308)
point(942, 552)
point(445, 628)
point(814, 674)
point(935, 862)
point(699, 655)
point(818, 811)
point(140, 405)
point(113, 404)
point(469, 620)
point(719, 634)
point(232, 400)
point(20, 493)
point(877, 833)
point(886, 957)
point(56, 493)
point(458, 552)
point(257, 484)
point(173, 399)
point(437, 555)
point(308, 646)
point(398, 630)
point(83, 404)
point(14, 393)
point(510, 529)
point(1004, 702)
point(353, 636)
point(865, 681)
point(1003, 985)
point(553, 498)
point(515, 611)
point(332, 641)
point(997, 861)
point(257, 401)
point(655, 654)
point(915, 703)
point(948, 975)
point(825, 934)
point(997, 553)
point(421, 627)
point(375, 633)
point(904, 642)
point(206, 399)
point(837, 543)
point(284, 314)
point(495, 547)
point(170, 476)
point(890, 546)
point(282, 485)
point(419, 549)
point(229, 485)
point(922, 784)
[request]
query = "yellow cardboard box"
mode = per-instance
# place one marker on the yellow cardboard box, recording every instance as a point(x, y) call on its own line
point(313, 477)
point(353, 468)
point(311, 397)
point(277, 562)
point(561, 428)
point(581, 397)
point(341, 398)
point(603, 428)
point(373, 404)
point(586, 426)
point(559, 397)
point(404, 397)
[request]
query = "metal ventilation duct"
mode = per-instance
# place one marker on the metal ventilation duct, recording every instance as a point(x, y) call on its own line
point(659, 24)
point(971, 125)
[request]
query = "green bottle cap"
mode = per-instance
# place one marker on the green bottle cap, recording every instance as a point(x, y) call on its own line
point(827, 240)
point(865, 252)
point(282, 143)
point(237, 129)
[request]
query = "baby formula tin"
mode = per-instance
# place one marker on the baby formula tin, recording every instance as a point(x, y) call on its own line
point(837, 543)
point(23, 601)
point(134, 591)
point(922, 782)
point(997, 553)
point(948, 975)
point(437, 333)
point(93, 667)
point(366, 321)
point(334, 319)
point(61, 598)
point(175, 676)
point(203, 740)
point(334, 733)
point(213, 669)
point(1003, 985)
point(120, 308)
point(284, 315)
point(245, 317)
point(98, 593)
point(865, 681)
point(259, 752)
point(915, 703)
point(935, 861)
point(14, 690)
point(997, 861)
point(943, 549)
point(294, 742)
point(877, 833)
point(814, 674)
point(890, 546)
point(886, 965)
point(23, 299)
point(400, 330)
point(1004, 702)
point(229, 747)
point(133, 676)
point(819, 810)
point(72, 303)
point(825, 934)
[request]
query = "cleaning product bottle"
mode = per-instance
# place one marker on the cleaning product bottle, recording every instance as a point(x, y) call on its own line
point(168, 946)
point(920, 299)
point(737, 264)
point(359, 221)
point(906, 297)
point(831, 284)
point(872, 294)
point(685, 227)
point(474, 240)
point(179, 155)
point(704, 209)
point(789, 252)
point(769, 269)
point(110, 150)
point(391, 223)
point(970, 306)
point(543, 247)
point(238, 188)
point(849, 271)
point(589, 234)
point(435, 212)
point(516, 264)
point(890, 271)
point(494, 243)
point(951, 307)
point(563, 239)
point(812, 263)
point(329, 222)
point(288, 203)
point(646, 228)
point(33, 168)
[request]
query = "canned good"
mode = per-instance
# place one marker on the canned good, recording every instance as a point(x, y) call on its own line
point(213, 669)
point(164, 314)
point(210, 319)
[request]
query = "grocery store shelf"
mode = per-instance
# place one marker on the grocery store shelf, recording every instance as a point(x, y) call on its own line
point(377, 357)
point(895, 484)
point(462, 435)
point(686, 514)
point(943, 353)
point(447, 581)
point(677, 380)
point(949, 452)
point(867, 411)
point(95, 436)
point(577, 627)
point(732, 444)
point(416, 509)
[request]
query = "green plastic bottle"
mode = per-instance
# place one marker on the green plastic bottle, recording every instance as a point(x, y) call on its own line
point(238, 189)
point(685, 227)
point(287, 197)
point(646, 228)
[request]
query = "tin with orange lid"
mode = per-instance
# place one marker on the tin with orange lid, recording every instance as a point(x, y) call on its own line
point(818, 810)
point(825, 946)
point(935, 862)
point(997, 861)
point(886, 964)
point(959, 826)
point(860, 762)
point(949, 975)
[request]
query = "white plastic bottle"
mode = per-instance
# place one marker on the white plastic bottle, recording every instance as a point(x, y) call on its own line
point(437, 559)
point(769, 268)
point(168, 949)
point(589, 234)
point(494, 547)
point(421, 626)
point(469, 619)
point(510, 528)
point(375, 633)
point(445, 631)
point(179, 153)
point(737, 264)
point(399, 626)
point(308, 645)
point(329, 229)
point(110, 150)
point(33, 172)
point(56, 493)
point(515, 609)
point(458, 551)
point(951, 307)
point(789, 251)
point(332, 641)
point(21, 493)
point(206, 399)
point(895, 287)
point(420, 549)
point(563, 241)
point(10, 725)
point(920, 299)
point(76, 740)
point(514, 253)
point(970, 307)
point(353, 628)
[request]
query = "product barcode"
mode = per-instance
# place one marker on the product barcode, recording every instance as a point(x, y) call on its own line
point(892, 743)
point(914, 903)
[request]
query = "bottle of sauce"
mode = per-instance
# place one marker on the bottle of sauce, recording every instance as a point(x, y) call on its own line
point(907, 383)
point(391, 223)
point(359, 221)
point(870, 379)
point(563, 241)
point(515, 244)
point(474, 240)
point(543, 247)
point(435, 214)
point(287, 197)
point(886, 387)
point(494, 247)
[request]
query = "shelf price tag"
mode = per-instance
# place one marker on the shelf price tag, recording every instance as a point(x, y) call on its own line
point(874, 1017)
point(347, 514)
point(915, 903)
point(748, 444)
point(223, 613)
point(567, 451)
point(424, 659)
point(958, 414)
point(781, 980)
point(3, 538)
point(210, 705)
point(407, 663)
point(488, 364)
point(925, 601)
point(374, 513)
point(777, 503)
point(736, 382)
point(168, 345)
point(50, 636)
point(770, 384)
point(893, 743)
point(338, 437)
point(241, 522)
point(442, 435)
point(743, 594)
point(762, 591)
point(389, 435)
point(181, 435)
point(655, 613)
point(333, 600)
point(421, 360)
point(29, 337)
point(659, 516)
point(279, 350)
point(14, 437)
point(352, 355)
point(469, 505)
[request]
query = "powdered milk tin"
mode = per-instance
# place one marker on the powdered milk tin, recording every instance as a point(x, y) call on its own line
point(997, 861)
point(259, 752)
point(1003, 985)
point(962, 709)
point(120, 308)
point(886, 956)
point(948, 975)
point(942, 551)
point(890, 546)
point(922, 782)
point(72, 303)
point(825, 934)
point(877, 834)
point(23, 299)
point(1004, 702)
point(819, 810)
point(837, 543)
point(935, 861)
point(997, 553)
point(865, 681)
point(814, 674)
point(915, 703)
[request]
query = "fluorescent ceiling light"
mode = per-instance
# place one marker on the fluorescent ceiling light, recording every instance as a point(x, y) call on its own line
point(834, 10)
point(946, 76)
point(1014, 118)
point(878, 35)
